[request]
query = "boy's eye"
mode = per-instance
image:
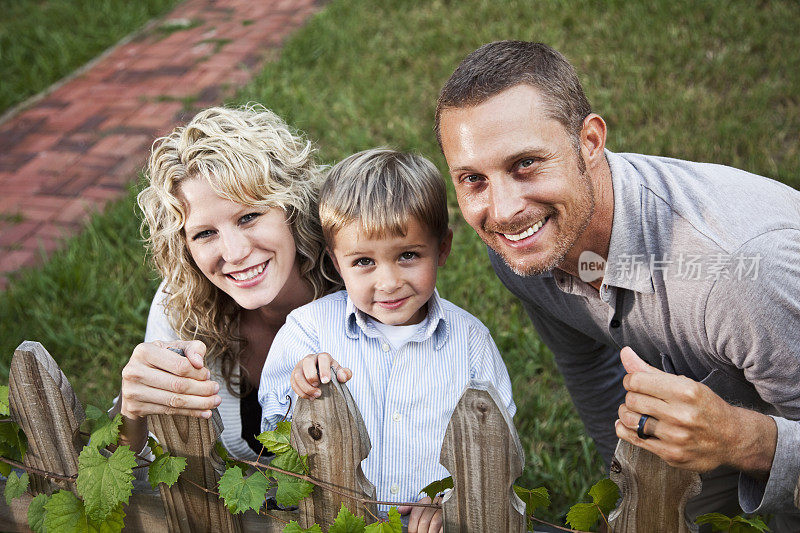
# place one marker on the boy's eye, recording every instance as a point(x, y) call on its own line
point(407, 256)
point(249, 217)
point(363, 261)
point(471, 178)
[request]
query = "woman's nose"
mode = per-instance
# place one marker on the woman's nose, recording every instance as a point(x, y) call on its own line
point(235, 247)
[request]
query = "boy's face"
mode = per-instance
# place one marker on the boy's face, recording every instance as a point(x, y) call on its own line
point(390, 278)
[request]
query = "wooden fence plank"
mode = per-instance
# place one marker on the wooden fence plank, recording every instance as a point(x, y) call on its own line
point(654, 494)
point(44, 405)
point(797, 494)
point(188, 508)
point(482, 452)
point(331, 432)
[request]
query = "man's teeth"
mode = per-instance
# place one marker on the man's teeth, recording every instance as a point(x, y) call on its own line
point(249, 273)
point(527, 233)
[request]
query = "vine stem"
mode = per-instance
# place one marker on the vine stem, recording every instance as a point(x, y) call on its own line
point(562, 528)
point(43, 473)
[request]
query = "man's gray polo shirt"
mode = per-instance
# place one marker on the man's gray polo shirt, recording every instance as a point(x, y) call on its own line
point(702, 280)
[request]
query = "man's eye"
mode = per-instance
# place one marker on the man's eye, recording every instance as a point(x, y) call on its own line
point(363, 261)
point(527, 162)
point(407, 256)
point(202, 234)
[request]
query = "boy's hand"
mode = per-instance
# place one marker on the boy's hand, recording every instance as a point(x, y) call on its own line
point(423, 519)
point(314, 369)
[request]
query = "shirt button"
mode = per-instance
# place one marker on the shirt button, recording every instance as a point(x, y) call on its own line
point(385, 347)
point(396, 417)
point(394, 488)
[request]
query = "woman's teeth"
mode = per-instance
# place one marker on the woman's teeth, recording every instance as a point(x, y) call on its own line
point(250, 273)
point(527, 233)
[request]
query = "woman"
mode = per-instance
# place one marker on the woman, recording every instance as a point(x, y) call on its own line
point(233, 228)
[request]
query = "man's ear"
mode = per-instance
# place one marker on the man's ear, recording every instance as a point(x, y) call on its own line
point(445, 246)
point(593, 139)
point(333, 259)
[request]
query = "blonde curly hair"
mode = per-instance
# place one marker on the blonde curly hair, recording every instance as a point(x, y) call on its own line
point(248, 156)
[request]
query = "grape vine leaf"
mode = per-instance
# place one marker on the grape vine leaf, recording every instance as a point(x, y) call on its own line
point(290, 489)
point(36, 512)
point(533, 498)
point(294, 527)
point(165, 469)
point(157, 450)
point(737, 524)
point(4, 405)
point(583, 516)
point(605, 494)
point(437, 487)
point(65, 513)
point(392, 524)
point(104, 430)
point(104, 482)
point(15, 486)
point(13, 445)
point(242, 493)
point(277, 441)
point(347, 522)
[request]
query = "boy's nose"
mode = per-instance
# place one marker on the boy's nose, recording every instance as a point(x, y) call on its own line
point(389, 281)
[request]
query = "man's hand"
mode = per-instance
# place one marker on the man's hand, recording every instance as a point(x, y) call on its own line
point(423, 519)
point(314, 369)
point(693, 428)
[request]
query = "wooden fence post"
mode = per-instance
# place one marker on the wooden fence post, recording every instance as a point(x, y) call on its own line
point(44, 405)
point(654, 494)
point(190, 509)
point(482, 452)
point(797, 494)
point(331, 432)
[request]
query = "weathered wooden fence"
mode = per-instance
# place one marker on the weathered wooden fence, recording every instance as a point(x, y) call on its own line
point(481, 449)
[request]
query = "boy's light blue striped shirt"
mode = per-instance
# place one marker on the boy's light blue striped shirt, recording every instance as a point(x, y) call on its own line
point(406, 396)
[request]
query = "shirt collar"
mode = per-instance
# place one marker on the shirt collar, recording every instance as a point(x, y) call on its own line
point(434, 325)
point(628, 262)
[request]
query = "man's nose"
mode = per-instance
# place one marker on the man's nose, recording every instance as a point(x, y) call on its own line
point(235, 246)
point(507, 199)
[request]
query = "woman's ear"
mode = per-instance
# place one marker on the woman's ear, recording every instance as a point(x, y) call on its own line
point(445, 246)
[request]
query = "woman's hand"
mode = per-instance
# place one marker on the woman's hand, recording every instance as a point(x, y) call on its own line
point(157, 380)
point(313, 369)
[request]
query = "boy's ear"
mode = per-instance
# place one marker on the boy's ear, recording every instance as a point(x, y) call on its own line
point(333, 259)
point(445, 246)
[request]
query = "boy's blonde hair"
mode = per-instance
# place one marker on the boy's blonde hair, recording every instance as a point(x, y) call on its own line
point(383, 189)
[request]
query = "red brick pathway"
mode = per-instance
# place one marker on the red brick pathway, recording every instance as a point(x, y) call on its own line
point(81, 145)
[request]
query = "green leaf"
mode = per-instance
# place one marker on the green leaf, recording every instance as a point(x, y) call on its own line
point(36, 512)
point(294, 527)
point(605, 494)
point(290, 489)
point(242, 493)
point(437, 487)
point(157, 450)
point(15, 486)
point(105, 482)
point(391, 525)
point(165, 469)
point(13, 443)
point(737, 524)
point(113, 523)
point(583, 516)
point(347, 522)
point(105, 430)
point(4, 405)
point(533, 498)
point(277, 441)
point(65, 513)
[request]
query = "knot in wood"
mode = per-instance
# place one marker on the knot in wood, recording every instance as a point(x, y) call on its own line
point(315, 431)
point(483, 407)
point(615, 466)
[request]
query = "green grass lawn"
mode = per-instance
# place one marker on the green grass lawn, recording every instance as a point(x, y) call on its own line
point(42, 41)
point(707, 81)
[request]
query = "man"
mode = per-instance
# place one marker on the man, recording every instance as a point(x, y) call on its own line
point(669, 291)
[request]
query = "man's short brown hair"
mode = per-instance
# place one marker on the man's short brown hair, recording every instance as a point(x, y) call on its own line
point(497, 66)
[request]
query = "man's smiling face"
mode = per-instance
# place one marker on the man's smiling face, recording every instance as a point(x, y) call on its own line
point(519, 180)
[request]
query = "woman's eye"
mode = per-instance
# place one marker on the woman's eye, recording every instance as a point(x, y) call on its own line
point(248, 217)
point(202, 234)
point(363, 261)
point(407, 256)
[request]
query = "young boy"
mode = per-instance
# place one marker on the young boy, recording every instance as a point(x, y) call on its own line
point(410, 353)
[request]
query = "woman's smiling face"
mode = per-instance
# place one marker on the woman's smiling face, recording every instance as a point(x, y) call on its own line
point(247, 252)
